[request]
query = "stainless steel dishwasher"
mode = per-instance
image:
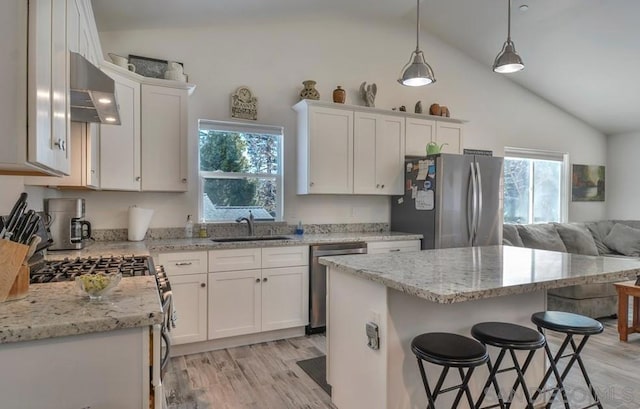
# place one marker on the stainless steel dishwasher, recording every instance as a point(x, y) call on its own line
point(318, 280)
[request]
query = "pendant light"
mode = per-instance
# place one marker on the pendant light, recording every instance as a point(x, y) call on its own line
point(417, 72)
point(508, 60)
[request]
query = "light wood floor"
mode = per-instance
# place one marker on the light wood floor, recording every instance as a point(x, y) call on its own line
point(265, 376)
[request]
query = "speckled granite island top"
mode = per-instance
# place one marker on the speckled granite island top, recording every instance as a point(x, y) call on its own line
point(462, 274)
point(58, 309)
point(141, 248)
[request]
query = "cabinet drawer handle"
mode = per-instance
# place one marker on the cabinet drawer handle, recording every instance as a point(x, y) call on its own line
point(264, 280)
point(203, 285)
point(257, 280)
point(184, 263)
point(184, 180)
point(394, 250)
point(311, 184)
point(382, 186)
point(138, 179)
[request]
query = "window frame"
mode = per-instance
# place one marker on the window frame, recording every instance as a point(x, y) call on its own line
point(242, 127)
point(539, 154)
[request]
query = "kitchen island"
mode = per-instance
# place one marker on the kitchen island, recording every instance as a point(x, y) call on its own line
point(59, 350)
point(431, 291)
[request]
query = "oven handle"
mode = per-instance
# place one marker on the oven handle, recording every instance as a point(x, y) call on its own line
point(165, 359)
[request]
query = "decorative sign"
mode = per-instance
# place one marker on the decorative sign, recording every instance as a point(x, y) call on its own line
point(480, 152)
point(243, 104)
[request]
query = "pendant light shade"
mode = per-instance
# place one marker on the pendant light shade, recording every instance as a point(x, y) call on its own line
point(508, 60)
point(417, 72)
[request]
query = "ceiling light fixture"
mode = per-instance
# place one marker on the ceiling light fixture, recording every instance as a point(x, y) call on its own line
point(417, 72)
point(508, 60)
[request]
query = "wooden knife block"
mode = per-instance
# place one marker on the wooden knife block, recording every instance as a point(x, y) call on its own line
point(14, 271)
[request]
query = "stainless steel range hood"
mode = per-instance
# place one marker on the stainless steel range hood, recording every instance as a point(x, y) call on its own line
point(92, 93)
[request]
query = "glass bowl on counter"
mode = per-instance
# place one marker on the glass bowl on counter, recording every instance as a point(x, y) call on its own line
point(97, 285)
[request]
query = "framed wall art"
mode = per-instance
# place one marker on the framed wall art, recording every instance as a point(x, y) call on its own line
point(587, 183)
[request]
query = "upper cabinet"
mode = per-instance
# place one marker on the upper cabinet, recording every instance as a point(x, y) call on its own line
point(148, 151)
point(345, 149)
point(35, 75)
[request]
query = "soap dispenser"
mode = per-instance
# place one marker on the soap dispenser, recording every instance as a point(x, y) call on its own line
point(188, 227)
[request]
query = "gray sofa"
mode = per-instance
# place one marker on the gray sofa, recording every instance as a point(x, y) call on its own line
point(620, 238)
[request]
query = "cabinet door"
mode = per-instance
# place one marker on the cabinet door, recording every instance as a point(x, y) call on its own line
point(60, 110)
point(390, 156)
point(451, 134)
point(378, 154)
point(330, 151)
point(285, 297)
point(234, 303)
point(41, 149)
point(93, 155)
point(190, 302)
point(164, 139)
point(120, 144)
point(418, 133)
point(365, 128)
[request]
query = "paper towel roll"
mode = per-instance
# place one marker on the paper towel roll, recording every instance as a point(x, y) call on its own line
point(139, 220)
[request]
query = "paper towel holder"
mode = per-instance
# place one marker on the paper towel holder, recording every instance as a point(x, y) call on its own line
point(139, 220)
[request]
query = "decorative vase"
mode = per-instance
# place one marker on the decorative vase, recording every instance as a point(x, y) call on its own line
point(309, 91)
point(339, 95)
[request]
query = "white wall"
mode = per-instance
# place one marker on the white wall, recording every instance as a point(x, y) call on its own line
point(623, 168)
point(274, 57)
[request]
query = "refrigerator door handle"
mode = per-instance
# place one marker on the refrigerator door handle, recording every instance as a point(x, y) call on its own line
point(479, 208)
point(471, 221)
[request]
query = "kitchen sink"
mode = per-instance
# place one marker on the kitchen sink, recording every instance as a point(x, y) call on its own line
point(249, 238)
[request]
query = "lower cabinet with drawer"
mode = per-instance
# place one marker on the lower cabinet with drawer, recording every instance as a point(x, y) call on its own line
point(187, 274)
point(245, 301)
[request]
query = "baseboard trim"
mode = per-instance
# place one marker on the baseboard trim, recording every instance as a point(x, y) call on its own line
point(231, 342)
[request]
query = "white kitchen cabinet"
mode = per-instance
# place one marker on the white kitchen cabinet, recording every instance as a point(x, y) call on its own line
point(188, 277)
point(148, 151)
point(120, 144)
point(271, 297)
point(164, 138)
point(393, 246)
point(190, 302)
point(34, 110)
point(378, 154)
point(285, 297)
point(418, 133)
point(451, 134)
point(235, 303)
point(325, 149)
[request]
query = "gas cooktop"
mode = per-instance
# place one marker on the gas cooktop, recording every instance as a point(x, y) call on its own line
point(69, 268)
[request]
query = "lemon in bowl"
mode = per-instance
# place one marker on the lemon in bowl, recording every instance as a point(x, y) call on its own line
point(97, 285)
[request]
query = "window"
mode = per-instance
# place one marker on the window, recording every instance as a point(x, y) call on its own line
point(535, 186)
point(240, 170)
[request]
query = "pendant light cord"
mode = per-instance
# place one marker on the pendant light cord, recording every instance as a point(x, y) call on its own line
point(418, 28)
point(509, 22)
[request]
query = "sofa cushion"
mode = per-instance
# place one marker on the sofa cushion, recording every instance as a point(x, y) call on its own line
point(577, 238)
point(541, 236)
point(624, 240)
point(599, 231)
point(510, 236)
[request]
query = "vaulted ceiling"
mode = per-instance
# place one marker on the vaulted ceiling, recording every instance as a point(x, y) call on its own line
point(581, 55)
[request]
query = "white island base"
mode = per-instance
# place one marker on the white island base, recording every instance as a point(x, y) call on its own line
point(389, 377)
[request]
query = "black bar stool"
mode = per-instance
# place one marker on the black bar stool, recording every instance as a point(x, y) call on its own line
point(509, 338)
point(569, 324)
point(449, 351)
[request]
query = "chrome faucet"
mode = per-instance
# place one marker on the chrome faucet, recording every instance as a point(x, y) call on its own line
point(249, 221)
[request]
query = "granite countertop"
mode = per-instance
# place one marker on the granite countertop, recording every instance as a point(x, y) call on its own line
point(462, 274)
point(58, 309)
point(161, 246)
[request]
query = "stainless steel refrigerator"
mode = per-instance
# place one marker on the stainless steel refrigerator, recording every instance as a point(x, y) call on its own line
point(453, 200)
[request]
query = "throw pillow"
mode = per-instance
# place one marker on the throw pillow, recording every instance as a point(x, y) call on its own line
point(541, 236)
point(624, 240)
point(577, 239)
point(599, 231)
point(510, 236)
